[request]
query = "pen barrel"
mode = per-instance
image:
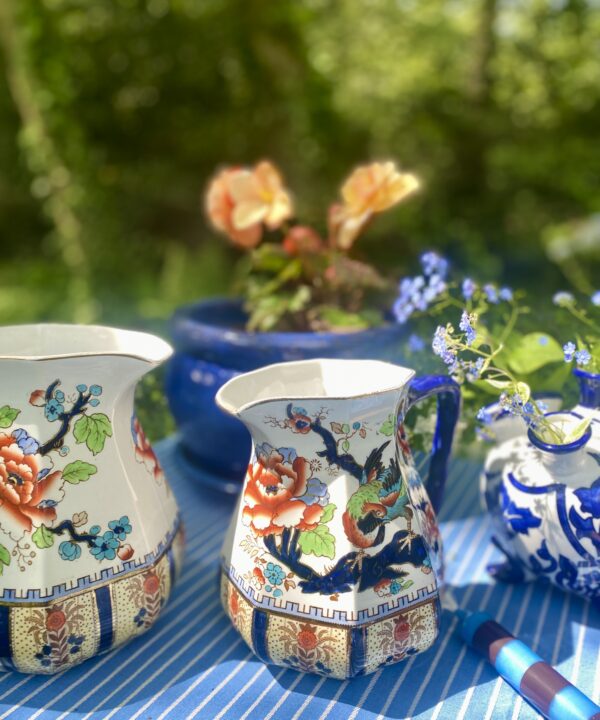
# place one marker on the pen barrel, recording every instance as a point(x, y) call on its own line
point(537, 681)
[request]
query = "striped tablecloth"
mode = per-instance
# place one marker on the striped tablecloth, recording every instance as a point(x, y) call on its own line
point(193, 665)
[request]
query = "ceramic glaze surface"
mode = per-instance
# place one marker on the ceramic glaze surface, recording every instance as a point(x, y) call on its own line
point(546, 513)
point(85, 510)
point(332, 563)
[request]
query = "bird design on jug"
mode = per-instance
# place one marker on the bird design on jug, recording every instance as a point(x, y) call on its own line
point(288, 510)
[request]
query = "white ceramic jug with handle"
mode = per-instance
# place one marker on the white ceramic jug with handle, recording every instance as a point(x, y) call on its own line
point(333, 563)
point(90, 536)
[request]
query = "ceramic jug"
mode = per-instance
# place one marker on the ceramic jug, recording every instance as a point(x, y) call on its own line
point(332, 563)
point(542, 498)
point(90, 536)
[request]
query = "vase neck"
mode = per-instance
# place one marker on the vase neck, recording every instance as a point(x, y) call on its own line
point(589, 388)
point(563, 465)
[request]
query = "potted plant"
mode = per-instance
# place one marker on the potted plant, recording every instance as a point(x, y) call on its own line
point(303, 295)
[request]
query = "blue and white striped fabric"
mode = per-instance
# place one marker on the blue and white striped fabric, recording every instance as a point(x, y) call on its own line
point(193, 665)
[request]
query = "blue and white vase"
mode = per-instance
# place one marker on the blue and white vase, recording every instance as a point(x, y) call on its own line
point(547, 510)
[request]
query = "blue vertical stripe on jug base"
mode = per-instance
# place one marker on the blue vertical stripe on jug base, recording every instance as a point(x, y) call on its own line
point(260, 620)
point(358, 651)
point(5, 649)
point(105, 615)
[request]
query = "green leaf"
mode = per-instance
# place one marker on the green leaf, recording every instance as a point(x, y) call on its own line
point(5, 557)
point(499, 384)
point(388, 427)
point(328, 511)
point(93, 431)
point(319, 542)
point(346, 445)
point(531, 352)
point(345, 428)
point(577, 431)
point(78, 471)
point(43, 538)
point(7, 416)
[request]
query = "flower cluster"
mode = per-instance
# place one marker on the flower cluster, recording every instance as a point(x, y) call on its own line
point(298, 278)
point(417, 293)
point(586, 351)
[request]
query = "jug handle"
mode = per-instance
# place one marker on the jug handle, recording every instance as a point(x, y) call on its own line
point(448, 409)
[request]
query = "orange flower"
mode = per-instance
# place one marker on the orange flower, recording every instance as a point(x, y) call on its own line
point(370, 189)
point(272, 497)
point(125, 552)
point(240, 200)
point(151, 584)
point(302, 240)
point(401, 629)
point(307, 638)
point(55, 620)
point(21, 489)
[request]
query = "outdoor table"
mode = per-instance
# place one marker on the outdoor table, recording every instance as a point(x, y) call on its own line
point(192, 664)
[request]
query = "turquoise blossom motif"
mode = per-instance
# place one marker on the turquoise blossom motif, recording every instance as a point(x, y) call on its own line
point(121, 528)
point(53, 409)
point(69, 550)
point(105, 546)
point(274, 573)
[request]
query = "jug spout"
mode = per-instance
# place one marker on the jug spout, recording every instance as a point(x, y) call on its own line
point(63, 342)
point(321, 379)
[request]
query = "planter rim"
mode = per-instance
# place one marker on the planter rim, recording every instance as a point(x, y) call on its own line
point(192, 323)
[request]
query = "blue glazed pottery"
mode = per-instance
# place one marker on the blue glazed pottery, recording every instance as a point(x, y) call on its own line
point(541, 499)
point(212, 347)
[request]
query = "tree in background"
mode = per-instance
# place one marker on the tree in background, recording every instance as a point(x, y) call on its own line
point(115, 114)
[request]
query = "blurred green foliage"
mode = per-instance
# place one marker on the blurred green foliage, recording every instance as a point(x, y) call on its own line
point(114, 114)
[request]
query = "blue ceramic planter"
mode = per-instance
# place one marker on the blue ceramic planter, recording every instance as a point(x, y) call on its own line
point(212, 346)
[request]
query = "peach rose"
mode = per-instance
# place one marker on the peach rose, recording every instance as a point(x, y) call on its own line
point(240, 200)
point(21, 488)
point(271, 498)
point(369, 190)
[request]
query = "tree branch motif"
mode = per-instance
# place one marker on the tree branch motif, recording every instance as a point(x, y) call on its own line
point(331, 454)
point(67, 526)
point(78, 408)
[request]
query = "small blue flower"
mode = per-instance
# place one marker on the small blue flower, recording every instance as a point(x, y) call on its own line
point(95, 390)
point(105, 546)
point(582, 357)
point(81, 388)
point(53, 410)
point(274, 574)
point(468, 288)
point(505, 294)
point(542, 406)
point(94, 402)
point(569, 350)
point(596, 298)
point(432, 263)
point(60, 396)
point(69, 550)
point(563, 298)
point(466, 326)
point(277, 593)
point(415, 343)
point(28, 444)
point(356, 426)
point(543, 340)
point(121, 528)
point(95, 529)
point(395, 587)
point(64, 451)
point(484, 416)
point(491, 293)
